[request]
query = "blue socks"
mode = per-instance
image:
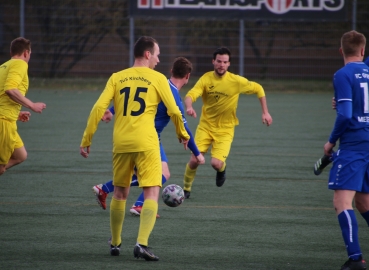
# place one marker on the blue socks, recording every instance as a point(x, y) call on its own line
point(108, 187)
point(349, 228)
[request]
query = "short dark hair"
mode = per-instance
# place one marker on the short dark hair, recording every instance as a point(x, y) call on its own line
point(19, 45)
point(143, 44)
point(222, 51)
point(181, 67)
point(352, 42)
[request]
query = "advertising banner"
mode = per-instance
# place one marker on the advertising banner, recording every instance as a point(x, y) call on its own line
point(276, 10)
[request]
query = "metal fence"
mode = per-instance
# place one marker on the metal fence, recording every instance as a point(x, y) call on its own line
point(92, 39)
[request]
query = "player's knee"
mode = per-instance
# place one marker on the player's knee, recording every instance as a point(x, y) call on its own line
point(216, 165)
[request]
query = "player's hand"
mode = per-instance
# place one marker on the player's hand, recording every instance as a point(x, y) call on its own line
point(328, 148)
point(200, 159)
point(267, 119)
point(38, 107)
point(24, 116)
point(107, 117)
point(333, 103)
point(184, 142)
point(84, 152)
point(191, 112)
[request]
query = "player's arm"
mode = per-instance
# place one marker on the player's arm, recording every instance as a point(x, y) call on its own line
point(108, 115)
point(24, 116)
point(16, 96)
point(95, 116)
point(249, 87)
point(192, 96)
point(343, 110)
point(265, 117)
point(173, 110)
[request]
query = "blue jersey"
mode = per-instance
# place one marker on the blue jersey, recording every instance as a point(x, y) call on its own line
point(162, 118)
point(351, 91)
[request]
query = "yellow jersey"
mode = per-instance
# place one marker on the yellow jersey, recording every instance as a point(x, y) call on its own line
point(136, 92)
point(13, 75)
point(220, 98)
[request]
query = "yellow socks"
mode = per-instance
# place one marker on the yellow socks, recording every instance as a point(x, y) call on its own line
point(147, 221)
point(117, 212)
point(189, 177)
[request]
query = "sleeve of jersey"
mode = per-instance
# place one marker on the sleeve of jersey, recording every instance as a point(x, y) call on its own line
point(343, 106)
point(111, 109)
point(196, 91)
point(191, 143)
point(173, 110)
point(249, 87)
point(15, 75)
point(97, 112)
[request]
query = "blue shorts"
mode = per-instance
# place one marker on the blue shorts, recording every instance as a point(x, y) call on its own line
point(350, 171)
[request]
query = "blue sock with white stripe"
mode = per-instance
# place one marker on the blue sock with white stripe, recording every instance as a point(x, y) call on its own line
point(140, 199)
point(108, 187)
point(349, 228)
point(366, 216)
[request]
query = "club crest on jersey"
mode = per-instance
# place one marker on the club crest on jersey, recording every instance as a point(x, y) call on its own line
point(216, 97)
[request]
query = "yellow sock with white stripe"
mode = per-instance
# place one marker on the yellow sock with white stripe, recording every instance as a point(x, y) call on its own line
point(117, 212)
point(147, 221)
point(189, 177)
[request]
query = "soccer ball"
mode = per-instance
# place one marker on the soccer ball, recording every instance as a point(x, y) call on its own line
point(172, 195)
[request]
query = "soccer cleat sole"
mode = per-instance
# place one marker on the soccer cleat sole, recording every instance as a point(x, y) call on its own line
point(96, 193)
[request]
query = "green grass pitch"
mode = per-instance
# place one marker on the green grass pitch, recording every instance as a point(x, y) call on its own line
point(271, 213)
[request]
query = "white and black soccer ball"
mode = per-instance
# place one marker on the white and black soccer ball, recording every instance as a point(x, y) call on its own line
point(172, 195)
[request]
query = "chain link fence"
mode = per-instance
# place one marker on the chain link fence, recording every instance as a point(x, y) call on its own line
point(91, 38)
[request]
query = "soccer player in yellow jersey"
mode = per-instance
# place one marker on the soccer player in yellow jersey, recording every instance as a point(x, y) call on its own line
point(136, 93)
point(220, 91)
point(13, 88)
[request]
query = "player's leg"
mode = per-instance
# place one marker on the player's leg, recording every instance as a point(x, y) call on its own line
point(122, 173)
point(220, 150)
point(137, 206)
point(362, 205)
point(149, 171)
point(203, 141)
point(349, 227)
point(12, 148)
point(101, 191)
point(362, 198)
point(346, 178)
point(19, 155)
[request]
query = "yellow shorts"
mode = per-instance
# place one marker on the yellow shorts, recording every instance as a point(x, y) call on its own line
point(219, 140)
point(9, 140)
point(148, 164)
